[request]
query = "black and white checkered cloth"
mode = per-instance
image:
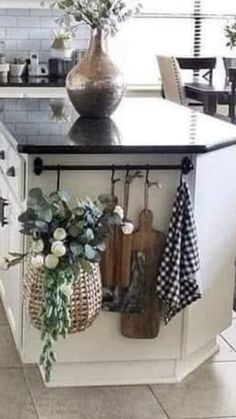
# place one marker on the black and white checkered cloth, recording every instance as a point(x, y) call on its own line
point(176, 283)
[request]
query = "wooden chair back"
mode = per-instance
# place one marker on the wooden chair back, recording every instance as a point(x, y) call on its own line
point(197, 64)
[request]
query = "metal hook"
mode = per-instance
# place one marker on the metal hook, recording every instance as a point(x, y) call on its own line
point(113, 180)
point(187, 167)
point(127, 175)
point(113, 174)
point(148, 184)
point(128, 180)
point(147, 175)
point(58, 177)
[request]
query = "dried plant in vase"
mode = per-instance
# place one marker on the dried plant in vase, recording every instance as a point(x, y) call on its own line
point(96, 86)
point(62, 44)
point(62, 267)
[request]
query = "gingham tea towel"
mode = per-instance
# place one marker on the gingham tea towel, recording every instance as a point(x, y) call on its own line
point(176, 283)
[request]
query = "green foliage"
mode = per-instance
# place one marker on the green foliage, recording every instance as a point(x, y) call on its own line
point(55, 313)
point(83, 230)
point(230, 33)
point(102, 14)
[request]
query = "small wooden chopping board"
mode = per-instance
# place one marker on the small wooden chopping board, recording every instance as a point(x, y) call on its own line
point(123, 259)
point(150, 243)
point(108, 261)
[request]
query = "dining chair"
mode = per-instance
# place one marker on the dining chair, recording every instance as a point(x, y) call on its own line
point(197, 64)
point(171, 79)
point(229, 62)
point(172, 83)
point(232, 80)
point(231, 98)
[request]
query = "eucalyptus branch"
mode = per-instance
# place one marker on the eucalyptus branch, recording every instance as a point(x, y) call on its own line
point(102, 14)
point(55, 313)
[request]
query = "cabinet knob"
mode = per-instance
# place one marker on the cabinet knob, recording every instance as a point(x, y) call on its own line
point(2, 155)
point(11, 171)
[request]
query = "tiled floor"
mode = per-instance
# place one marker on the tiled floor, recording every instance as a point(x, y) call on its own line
point(210, 392)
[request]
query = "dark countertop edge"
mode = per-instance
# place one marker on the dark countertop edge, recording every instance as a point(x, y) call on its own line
point(44, 149)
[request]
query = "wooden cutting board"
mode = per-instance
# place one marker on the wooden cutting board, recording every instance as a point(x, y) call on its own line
point(151, 244)
point(123, 259)
point(109, 257)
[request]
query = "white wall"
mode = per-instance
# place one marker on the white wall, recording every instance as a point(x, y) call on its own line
point(31, 29)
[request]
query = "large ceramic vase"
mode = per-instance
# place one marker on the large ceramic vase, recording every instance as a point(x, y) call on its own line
point(95, 86)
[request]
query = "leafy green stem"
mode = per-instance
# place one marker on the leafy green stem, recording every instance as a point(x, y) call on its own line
point(55, 314)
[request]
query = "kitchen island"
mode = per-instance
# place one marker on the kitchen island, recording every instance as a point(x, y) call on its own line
point(37, 135)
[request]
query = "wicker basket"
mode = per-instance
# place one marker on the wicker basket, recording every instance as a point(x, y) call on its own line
point(86, 300)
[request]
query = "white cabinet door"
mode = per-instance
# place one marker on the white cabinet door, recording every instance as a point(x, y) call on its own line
point(3, 230)
point(11, 241)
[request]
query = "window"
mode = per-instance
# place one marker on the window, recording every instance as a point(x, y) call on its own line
point(164, 27)
point(171, 27)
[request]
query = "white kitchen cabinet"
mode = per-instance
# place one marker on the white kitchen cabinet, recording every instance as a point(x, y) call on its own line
point(101, 355)
point(11, 241)
point(11, 196)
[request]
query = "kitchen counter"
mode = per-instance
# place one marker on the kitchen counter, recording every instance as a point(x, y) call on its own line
point(140, 125)
point(143, 131)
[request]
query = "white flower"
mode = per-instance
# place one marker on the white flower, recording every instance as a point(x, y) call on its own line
point(4, 264)
point(51, 261)
point(101, 246)
point(67, 290)
point(59, 234)
point(58, 249)
point(127, 227)
point(37, 261)
point(119, 210)
point(38, 246)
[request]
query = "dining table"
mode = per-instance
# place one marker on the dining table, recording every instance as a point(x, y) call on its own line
point(209, 94)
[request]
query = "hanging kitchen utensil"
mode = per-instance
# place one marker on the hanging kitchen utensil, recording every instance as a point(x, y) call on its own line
point(116, 290)
point(147, 248)
point(109, 256)
point(123, 265)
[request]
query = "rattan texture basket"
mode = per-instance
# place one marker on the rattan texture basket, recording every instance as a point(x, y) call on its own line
point(86, 299)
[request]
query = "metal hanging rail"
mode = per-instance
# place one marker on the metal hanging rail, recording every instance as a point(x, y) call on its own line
point(39, 167)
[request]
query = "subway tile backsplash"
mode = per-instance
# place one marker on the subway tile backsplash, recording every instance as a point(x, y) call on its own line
point(24, 30)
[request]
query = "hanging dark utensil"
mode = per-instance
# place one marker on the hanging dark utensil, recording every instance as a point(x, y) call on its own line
point(147, 248)
point(107, 265)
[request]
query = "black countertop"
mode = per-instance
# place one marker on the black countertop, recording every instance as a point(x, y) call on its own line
point(140, 125)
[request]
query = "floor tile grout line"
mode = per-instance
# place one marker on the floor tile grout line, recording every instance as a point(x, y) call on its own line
point(11, 368)
point(158, 401)
point(221, 361)
point(204, 417)
point(31, 395)
point(228, 343)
